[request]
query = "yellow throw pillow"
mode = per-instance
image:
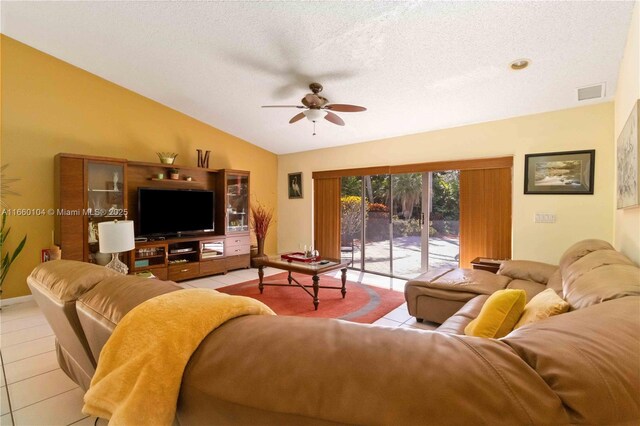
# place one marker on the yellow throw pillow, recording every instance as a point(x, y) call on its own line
point(498, 315)
point(543, 305)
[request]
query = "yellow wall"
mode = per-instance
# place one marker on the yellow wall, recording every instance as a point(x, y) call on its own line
point(627, 221)
point(49, 106)
point(578, 216)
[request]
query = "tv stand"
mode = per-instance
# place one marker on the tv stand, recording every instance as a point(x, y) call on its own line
point(88, 183)
point(185, 258)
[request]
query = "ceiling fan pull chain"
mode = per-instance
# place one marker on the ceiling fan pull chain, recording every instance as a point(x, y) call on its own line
point(314, 128)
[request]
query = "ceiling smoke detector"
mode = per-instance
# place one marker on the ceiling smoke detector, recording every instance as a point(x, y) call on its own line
point(519, 64)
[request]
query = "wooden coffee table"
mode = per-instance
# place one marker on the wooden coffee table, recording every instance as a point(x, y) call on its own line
point(314, 269)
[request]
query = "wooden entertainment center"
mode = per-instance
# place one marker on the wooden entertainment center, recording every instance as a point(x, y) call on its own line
point(89, 190)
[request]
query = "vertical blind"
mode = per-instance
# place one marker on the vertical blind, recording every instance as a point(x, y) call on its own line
point(326, 217)
point(485, 214)
point(485, 205)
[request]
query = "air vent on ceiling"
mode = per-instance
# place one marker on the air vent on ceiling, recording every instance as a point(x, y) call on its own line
point(591, 92)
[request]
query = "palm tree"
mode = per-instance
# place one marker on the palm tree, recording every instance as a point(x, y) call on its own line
point(407, 190)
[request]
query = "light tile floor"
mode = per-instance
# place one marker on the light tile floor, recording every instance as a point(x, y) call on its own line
point(35, 391)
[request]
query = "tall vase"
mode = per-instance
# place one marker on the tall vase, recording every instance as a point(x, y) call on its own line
point(260, 247)
point(256, 260)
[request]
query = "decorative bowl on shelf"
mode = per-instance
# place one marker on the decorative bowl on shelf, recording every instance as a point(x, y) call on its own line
point(167, 157)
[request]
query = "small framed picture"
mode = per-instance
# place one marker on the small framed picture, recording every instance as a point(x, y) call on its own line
point(295, 185)
point(45, 255)
point(569, 172)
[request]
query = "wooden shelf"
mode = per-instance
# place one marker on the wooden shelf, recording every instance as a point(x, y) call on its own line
point(144, 268)
point(170, 166)
point(182, 252)
point(173, 180)
point(104, 190)
point(155, 256)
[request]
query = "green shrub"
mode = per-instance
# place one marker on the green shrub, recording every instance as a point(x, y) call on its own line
point(405, 228)
point(350, 223)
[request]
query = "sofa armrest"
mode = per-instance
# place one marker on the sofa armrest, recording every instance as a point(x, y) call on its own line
point(527, 270)
point(456, 323)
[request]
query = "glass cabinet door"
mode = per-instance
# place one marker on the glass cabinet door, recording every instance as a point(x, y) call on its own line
point(237, 217)
point(105, 199)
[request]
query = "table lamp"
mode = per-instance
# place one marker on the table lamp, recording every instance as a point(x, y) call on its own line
point(116, 237)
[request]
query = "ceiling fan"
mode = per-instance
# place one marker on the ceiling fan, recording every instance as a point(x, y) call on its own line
point(317, 107)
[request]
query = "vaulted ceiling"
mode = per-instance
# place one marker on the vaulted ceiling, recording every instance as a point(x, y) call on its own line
point(416, 66)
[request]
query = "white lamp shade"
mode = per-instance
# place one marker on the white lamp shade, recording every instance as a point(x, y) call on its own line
point(116, 236)
point(314, 114)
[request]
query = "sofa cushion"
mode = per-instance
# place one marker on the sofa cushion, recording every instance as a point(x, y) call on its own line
point(580, 249)
point(590, 358)
point(542, 306)
point(102, 308)
point(527, 270)
point(463, 280)
point(555, 282)
point(605, 283)
point(114, 297)
point(531, 288)
point(68, 279)
point(590, 262)
point(498, 315)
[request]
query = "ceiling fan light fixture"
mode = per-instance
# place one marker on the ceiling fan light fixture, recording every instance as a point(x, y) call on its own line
point(314, 114)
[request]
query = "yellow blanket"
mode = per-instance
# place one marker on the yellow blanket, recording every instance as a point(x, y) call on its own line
point(140, 368)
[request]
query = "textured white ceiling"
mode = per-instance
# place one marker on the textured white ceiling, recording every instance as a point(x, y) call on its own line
point(416, 66)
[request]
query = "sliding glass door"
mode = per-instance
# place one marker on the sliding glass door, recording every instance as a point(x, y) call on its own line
point(408, 224)
point(402, 224)
point(444, 220)
point(351, 220)
point(377, 224)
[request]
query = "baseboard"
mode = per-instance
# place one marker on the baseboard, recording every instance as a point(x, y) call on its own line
point(15, 300)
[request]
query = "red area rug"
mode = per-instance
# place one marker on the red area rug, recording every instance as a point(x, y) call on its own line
point(363, 303)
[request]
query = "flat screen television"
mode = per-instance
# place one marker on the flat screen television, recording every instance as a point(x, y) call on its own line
point(175, 211)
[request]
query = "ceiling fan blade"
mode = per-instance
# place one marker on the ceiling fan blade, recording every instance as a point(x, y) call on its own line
point(296, 118)
point(345, 108)
point(334, 119)
point(282, 106)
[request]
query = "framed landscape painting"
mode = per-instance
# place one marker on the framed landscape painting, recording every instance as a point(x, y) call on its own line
point(569, 172)
point(628, 163)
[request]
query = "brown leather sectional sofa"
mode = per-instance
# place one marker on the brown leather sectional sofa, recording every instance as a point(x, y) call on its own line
point(578, 367)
